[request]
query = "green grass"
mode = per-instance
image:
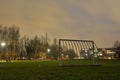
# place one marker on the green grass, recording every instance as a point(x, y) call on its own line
point(49, 70)
point(77, 62)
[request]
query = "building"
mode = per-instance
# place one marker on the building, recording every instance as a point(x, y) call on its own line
point(107, 53)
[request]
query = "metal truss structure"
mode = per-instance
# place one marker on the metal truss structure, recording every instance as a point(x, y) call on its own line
point(77, 52)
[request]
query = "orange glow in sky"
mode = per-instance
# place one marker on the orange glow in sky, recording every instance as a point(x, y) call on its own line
point(96, 20)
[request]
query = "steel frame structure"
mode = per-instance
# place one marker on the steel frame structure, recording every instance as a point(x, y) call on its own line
point(77, 46)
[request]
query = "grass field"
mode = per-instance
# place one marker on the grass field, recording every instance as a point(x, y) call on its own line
point(49, 70)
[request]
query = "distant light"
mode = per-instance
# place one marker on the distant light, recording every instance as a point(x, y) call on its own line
point(48, 50)
point(101, 54)
point(81, 57)
point(3, 44)
point(86, 54)
point(109, 58)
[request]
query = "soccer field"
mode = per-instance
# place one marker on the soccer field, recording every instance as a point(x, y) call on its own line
point(49, 70)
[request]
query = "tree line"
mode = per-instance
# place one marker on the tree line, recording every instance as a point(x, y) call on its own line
point(116, 46)
point(24, 47)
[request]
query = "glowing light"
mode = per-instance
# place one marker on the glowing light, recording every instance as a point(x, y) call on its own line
point(109, 58)
point(101, 54)
point(48, 50)
point(3, 44)
point(86, 54)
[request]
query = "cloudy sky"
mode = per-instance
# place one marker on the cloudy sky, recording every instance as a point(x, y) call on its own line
point(97, 20)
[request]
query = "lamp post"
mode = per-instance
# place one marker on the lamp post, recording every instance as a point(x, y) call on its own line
point(48, 53)
point(2, 44)
point(48, 50)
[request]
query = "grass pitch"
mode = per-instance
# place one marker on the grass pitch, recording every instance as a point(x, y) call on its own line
point(49, 70)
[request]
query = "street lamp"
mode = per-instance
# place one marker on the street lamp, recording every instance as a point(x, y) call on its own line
point(3, 44)
point(48, 55)
point(48, 50)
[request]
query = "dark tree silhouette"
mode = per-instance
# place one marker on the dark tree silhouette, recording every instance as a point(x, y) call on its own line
point(10, 35)
point(118, 52)
point(54, 49)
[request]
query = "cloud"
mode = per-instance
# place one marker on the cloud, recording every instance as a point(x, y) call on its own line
point(97, 20)
point(100, 20)
point(31, 15)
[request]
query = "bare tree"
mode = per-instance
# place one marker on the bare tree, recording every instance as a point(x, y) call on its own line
point(10, 35)
point(116, 44)
point(54, 49)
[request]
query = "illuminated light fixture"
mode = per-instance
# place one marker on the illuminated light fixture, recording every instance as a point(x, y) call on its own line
point(109, 58)
point(86, 54)
point(101, 54)
point(3, 44)
point(48, 50)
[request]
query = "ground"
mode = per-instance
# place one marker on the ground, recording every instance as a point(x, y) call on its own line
point(50, 70)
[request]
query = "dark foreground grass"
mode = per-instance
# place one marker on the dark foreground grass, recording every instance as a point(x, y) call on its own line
point(49, 70)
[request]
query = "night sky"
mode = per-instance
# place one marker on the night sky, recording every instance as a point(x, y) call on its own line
point(97, 20)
